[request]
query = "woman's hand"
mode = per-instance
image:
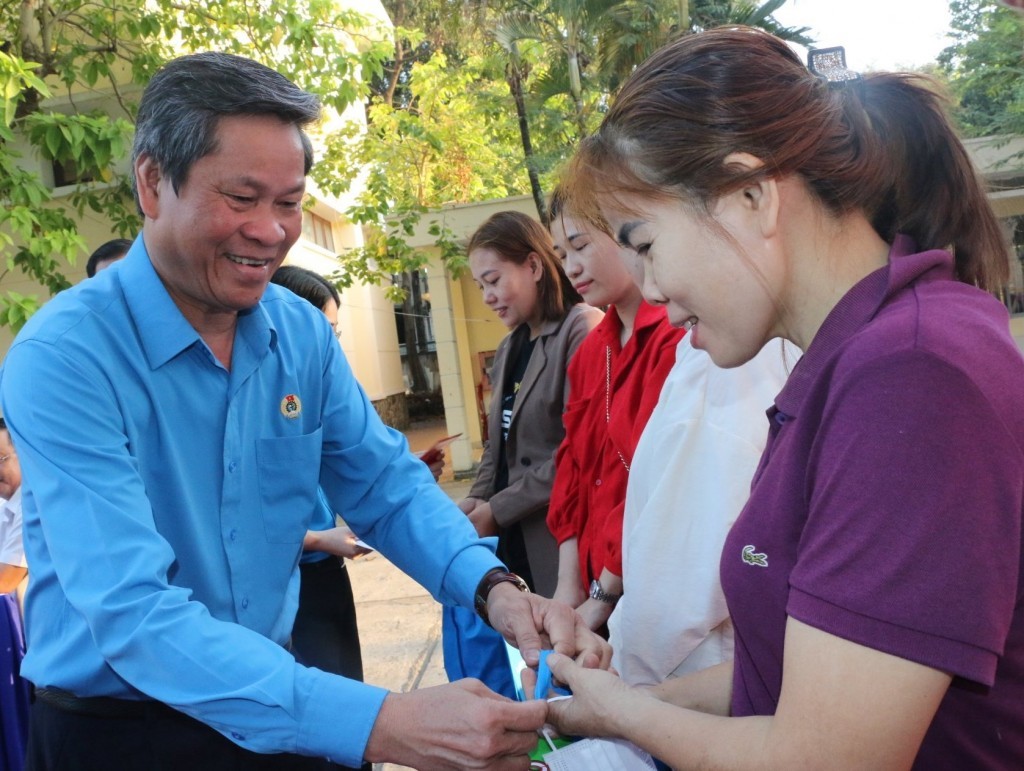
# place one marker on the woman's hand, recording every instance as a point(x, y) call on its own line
point(595, 613)
point(436, 467)
point(339, 541)
point(570, 592)
point(597, 697)
point(483, 520)
point(569, 589)
point(468, 504)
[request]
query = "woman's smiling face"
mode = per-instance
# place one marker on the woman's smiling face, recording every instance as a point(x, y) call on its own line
point(709, 274)
point(509, 289)
point(592, 260)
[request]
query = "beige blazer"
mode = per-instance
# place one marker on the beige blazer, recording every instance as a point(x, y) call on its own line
point(534, 435)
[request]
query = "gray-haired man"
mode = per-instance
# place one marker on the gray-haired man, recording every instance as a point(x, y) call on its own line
point(175, 417)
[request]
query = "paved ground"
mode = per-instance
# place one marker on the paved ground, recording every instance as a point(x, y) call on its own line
point(399, 623)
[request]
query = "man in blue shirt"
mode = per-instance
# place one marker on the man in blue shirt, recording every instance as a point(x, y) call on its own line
point(174, 417)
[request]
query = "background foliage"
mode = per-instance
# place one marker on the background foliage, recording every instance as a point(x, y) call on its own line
point(985, 67)
point(465, 100)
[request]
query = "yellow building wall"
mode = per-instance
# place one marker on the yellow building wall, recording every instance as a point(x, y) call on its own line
point(1017, 330)
point(463, 326)
point(369, 335)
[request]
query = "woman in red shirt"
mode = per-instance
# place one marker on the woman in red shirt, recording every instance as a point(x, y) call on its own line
point(614, 382)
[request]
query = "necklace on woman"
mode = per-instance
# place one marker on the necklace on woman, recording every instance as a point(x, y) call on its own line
point(608, 396)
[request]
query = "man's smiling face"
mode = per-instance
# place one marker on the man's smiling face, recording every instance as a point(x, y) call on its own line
point(218, 240)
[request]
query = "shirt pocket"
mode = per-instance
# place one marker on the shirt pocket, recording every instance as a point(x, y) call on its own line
point(289, 477)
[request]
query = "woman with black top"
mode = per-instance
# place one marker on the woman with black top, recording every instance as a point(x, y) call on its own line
point(513, 261)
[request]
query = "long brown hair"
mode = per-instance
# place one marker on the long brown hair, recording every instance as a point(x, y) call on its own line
point(515, 236)
point(881, 145)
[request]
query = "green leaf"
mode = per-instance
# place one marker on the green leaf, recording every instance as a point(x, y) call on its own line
point(53, 141)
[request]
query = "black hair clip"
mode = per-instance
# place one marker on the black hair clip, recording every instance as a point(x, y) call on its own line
point(829, 64)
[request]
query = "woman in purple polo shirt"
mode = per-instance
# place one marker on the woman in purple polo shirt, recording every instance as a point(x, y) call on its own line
point(875, 576)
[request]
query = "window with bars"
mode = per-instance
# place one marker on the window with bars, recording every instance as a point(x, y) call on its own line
point(317, 230)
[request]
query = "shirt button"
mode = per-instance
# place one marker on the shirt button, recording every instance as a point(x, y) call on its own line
point(233, 534)
point(597, 483)
point(525, 461)
point(781, 418)
point(232, 466)
point(245, 603)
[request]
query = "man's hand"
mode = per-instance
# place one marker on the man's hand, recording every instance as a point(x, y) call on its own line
point(531, 622)
point(460, 725)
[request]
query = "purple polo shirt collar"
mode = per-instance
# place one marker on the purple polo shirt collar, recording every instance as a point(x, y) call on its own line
point(857, 308)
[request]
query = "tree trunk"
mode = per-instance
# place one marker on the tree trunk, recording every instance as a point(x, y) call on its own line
point(576, 89)
point(515, 84)
point(398, 19)
point(410, 311)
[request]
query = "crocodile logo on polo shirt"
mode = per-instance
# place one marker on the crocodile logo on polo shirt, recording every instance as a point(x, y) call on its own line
point(752, 557)
point(291, 406)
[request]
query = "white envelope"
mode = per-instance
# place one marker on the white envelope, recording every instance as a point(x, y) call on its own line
point(600, 755)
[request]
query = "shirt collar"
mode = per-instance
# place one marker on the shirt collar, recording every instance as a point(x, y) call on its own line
point(551, 326)
point(856, 308)
point(162, 328)
point(13, 504)
point(647, 316)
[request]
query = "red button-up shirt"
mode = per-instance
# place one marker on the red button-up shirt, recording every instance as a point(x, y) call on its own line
point(612, 392)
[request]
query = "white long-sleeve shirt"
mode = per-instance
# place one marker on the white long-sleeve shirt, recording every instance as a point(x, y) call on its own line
point(689, 479)
point(11, 550)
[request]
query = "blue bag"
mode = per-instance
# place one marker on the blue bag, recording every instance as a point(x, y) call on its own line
point(473, 649)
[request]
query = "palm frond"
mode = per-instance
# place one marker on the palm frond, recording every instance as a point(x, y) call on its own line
point(514, 27)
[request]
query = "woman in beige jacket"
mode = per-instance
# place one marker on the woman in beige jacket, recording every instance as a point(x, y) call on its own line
point(513, 261)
